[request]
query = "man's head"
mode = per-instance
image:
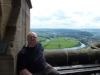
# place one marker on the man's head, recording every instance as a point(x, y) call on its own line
point(32, 38)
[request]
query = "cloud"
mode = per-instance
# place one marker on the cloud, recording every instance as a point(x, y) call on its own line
point(65, 14)
point(96, 19)
point(58, 14)
point(41, 18)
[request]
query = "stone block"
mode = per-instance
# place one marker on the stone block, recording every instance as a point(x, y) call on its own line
point(6, 1)
point(6, 65)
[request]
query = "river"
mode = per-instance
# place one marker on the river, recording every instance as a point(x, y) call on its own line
point(75, 48)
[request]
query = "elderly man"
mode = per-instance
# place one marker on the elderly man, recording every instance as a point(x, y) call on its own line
point(31, 60)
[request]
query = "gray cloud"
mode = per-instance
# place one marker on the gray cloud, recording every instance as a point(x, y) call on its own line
point(59, 14)
point(71, 20)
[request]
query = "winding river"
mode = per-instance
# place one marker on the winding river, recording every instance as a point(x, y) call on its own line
point(75, 48)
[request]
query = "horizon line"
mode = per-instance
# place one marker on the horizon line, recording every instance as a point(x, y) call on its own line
point(64, 28)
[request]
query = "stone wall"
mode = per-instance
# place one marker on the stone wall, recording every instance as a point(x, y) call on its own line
point(5, 8)
point(14, 25)
point(73, 57)
point(6, 67)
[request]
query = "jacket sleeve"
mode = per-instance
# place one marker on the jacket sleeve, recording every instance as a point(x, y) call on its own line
point(21, 62)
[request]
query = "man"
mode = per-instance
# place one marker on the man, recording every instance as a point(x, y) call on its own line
point(31, 60)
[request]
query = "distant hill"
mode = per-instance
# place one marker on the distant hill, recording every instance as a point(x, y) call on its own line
point(93, 31)
point(66, 32)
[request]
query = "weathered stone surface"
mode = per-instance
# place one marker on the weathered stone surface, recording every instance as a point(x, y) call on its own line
point(6, 65)
point(5, 11)
point(5, 1)
point(14, 25)
point(65, 58)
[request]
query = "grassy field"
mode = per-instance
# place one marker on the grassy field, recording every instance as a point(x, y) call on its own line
point(60, 42)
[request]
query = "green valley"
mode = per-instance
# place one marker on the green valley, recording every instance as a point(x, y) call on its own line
point(60, 42)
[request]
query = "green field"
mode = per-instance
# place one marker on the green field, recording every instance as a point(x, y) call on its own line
point(59, 42)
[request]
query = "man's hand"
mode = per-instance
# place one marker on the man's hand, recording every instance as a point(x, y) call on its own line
point(25, 72)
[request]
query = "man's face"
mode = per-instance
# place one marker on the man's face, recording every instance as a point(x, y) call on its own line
point(32, 39)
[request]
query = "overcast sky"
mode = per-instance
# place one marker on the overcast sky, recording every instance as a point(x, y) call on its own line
point(65, 14)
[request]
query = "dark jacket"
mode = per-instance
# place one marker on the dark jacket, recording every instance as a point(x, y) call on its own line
point(31, 58)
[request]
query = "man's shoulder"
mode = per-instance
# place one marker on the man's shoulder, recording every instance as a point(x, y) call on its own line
point(22, 51)
point(39, 46)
